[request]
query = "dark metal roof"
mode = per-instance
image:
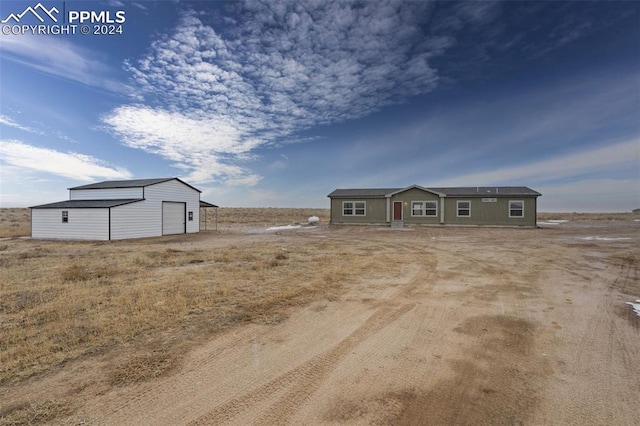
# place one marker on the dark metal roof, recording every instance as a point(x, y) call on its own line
point(368, 193)
point(484, 191)
point(134, 183)
point(205, 204)
point(466, 191)
point(86, 204)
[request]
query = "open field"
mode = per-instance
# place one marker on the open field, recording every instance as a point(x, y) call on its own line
point(324, 325)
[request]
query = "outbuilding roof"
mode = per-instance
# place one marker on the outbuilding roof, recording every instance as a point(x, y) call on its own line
point(132, 183)
point(87, 204)
point(464, 191)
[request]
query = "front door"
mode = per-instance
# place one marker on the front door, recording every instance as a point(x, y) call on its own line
point(397, 210)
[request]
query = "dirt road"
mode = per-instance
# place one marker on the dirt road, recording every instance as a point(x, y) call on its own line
point(475, 326)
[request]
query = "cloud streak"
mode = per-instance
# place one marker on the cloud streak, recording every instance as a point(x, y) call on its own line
point(7, 121)
point(67, 164)
point(606, 159)
point(59, 58)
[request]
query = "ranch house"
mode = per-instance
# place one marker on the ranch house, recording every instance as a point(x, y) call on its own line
point(416, 205)
point(115, 210)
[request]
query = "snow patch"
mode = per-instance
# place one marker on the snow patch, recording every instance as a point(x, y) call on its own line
point(605, 238)
point(635, 306)
point(313, 220)
point(279, 228)
point(548, 223)
point(558, 220)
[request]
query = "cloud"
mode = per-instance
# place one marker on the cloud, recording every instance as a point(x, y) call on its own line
point(62, 59)
point(7, 121)
point(211, 95)
point(67, 164)
point(606, 159)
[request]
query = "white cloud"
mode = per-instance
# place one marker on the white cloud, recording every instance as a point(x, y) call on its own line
point(596, 160)
point(284, 67)
point(7, 121)
point(66, 164)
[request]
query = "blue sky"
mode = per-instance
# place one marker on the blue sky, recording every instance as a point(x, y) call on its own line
point(278, 103)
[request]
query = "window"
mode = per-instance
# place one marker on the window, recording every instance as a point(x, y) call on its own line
point(190, 215)
point(65, 216)
point(516, 208)
point(424, 208)
point(464, 208)
point(353, 208)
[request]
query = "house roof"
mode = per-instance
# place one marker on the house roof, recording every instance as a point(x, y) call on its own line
point(132, 183)
point(367, 193)
point(465, 191)
point(87, 204)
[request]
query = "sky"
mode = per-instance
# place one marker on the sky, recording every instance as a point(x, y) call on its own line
point(276, 104)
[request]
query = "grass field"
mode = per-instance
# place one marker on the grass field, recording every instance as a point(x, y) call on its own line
point(135, 308)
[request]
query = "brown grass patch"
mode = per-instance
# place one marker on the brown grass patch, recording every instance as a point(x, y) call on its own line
point(143, 367)
point(62, 300)
point(36, 412)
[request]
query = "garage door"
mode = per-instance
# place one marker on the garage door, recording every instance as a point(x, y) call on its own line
point(173, 215)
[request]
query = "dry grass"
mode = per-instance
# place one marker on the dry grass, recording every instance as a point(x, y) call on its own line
point(588, 216)
point(60, 301)
point(144, 303)
point(230, 217)
point(15, 222)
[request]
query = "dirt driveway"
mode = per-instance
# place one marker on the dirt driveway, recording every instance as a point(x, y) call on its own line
point(475, 326)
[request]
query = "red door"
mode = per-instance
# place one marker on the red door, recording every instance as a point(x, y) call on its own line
point(397, 210)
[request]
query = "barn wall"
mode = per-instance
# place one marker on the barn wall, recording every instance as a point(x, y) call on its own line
point(84, 224)
point(135, 220)
point(174, 190)
point(106, 194)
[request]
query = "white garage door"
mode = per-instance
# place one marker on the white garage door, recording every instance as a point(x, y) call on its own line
point(173, 218)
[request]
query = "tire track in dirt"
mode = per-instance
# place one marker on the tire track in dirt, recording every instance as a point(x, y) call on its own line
point(299, 384)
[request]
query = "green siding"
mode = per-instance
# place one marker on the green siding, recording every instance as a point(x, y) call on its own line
point(376, 211)
point(497, 213)
point(416, 194)
point(482, 213)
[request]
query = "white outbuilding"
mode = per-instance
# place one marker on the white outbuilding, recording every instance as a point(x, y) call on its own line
point(116, 210)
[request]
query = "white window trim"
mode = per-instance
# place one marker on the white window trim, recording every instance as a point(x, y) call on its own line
point(458, 208)
point(353, 208)
point(65, 215)
point(516, 201)
point(424, 208)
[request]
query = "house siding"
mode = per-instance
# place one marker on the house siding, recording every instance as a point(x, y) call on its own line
point(375, 211)
point(83, 224)
point(416, 194)
point(489, 206)
point(490, 213)
point(106, 194)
